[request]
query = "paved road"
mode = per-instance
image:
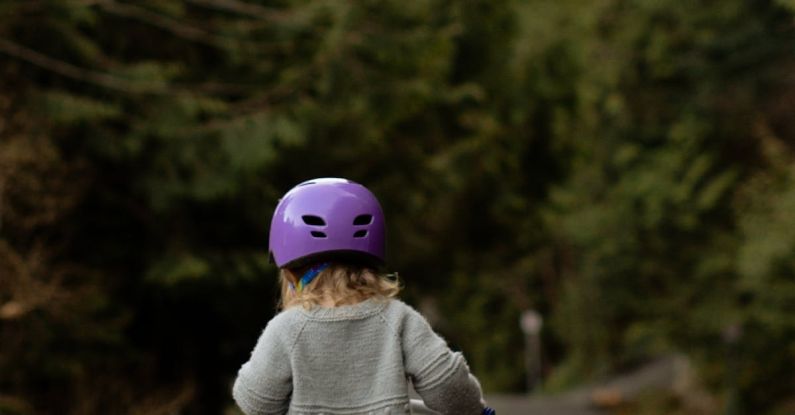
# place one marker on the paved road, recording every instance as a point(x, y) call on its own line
point(517, 405)
point(657, 375)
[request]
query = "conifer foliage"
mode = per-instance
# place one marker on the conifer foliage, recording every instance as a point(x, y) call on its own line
point(627, 168)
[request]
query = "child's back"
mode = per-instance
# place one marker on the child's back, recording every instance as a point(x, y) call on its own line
point(354, 359)
point(343, 344)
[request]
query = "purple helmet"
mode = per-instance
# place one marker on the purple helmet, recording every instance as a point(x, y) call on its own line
point(327, 218)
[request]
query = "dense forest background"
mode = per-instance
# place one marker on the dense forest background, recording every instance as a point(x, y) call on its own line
point(626, 167)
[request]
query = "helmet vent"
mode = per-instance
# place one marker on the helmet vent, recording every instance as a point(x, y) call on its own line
point(318, 234)
point(313, 220)
point(360, 234)
point(363, 220)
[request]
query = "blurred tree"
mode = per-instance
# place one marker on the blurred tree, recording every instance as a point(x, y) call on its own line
point(622, 166)
point(667, 124)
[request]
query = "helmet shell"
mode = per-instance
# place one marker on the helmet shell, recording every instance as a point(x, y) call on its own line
point(327, 218)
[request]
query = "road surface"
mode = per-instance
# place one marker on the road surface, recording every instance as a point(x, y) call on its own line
point(661, 374)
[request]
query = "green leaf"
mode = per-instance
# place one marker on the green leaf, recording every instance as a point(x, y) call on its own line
point(67, 108)
point(174, 269)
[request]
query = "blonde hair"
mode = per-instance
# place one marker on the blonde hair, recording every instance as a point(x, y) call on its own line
point(339, 284)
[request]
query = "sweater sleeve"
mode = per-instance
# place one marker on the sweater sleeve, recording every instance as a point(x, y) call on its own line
point(264, 383)
point(440, 376)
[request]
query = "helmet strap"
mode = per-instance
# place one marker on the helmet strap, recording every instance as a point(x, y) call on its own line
point(310, 275)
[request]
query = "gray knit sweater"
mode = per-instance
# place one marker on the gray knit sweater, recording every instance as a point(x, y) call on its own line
point(353, 360)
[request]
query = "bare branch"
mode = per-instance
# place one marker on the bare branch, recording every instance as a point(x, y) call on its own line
point(70, 71)
point(38, 5)
point(112, 82)
point(244, 8)
point(178, 28)
point(131, 11)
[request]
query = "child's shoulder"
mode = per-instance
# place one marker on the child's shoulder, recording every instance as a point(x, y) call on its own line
point(399, 309)
point(284, 320)
point(399, 305)
point(406, 319)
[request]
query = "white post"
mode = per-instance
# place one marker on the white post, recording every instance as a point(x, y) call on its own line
point(531, 323)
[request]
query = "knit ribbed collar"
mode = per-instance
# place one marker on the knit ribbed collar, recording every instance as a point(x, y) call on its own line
point(357, 311)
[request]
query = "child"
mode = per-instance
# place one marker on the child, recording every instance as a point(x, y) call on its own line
point(342, 343)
